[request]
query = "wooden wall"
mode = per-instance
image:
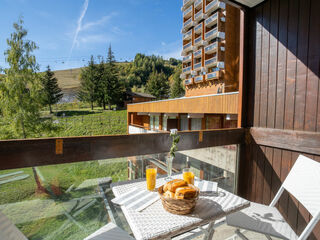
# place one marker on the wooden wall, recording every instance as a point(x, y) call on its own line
point(282, 65)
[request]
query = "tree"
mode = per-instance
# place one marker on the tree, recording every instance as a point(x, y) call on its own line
point(158, 85)
point(110, 88)
point(52, 94)
point(21, 88)
point(176, 89)
point(20, 91)
point(88, 83)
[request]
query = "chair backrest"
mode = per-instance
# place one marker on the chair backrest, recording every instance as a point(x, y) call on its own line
point(303, 182)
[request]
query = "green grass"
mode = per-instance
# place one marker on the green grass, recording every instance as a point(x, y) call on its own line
point(61, 177)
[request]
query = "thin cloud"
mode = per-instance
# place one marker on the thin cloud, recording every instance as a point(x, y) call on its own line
point(99, 22)
point(79, 24)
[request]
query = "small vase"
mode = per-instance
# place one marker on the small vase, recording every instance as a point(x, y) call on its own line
point(169, 169)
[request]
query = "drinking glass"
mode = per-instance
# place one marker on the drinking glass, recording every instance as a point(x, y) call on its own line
point(169, 169)
point(151, 175)
point(188, 176)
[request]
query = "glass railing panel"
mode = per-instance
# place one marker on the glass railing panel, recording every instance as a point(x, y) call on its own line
point(188, 81)
point(198, 27)
point(198, 15)
point(211, 32)
point(187, 11)
point(187, 45)
point(186, 2)
point(198, 79)
point(198, 65)
point(210, 61)
point(186, 69)
point(188, 34)
point(211, 19)
point(197, 53)
point(186, 58)
point(210, 47)
point(198, 40)
point(187, 22)
point(210, 5)
point(211, 75)
point(197, 2)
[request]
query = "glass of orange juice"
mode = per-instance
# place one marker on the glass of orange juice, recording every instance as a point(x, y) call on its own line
point(151, 175)
point(188, 176)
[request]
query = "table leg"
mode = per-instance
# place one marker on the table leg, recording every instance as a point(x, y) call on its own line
point(209, 232)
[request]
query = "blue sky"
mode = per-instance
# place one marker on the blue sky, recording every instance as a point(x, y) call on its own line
point(68, 32)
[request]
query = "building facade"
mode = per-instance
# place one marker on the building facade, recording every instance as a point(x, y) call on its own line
point(210, 73)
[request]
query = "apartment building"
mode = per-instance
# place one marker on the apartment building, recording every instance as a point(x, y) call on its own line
point(210, 73)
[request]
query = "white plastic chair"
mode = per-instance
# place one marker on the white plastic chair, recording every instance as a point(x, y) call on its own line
point(303, 182)
point(109, 232)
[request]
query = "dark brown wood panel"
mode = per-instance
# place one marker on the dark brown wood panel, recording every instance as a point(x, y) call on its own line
point(39, 152)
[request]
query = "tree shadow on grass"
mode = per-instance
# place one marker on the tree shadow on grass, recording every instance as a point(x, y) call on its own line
point(70, 113)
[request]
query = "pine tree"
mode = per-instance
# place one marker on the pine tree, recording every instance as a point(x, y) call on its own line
point(88, 83)
point(176, 89)
point(158, 85)
point(111, 87)
point(52, 93)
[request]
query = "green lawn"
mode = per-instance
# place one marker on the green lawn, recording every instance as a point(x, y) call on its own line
point(43, 216)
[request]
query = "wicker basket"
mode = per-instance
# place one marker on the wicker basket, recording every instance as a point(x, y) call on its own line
point(178, 206)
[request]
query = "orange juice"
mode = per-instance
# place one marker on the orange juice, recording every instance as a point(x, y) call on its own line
point(188, 177)
point(151, 174)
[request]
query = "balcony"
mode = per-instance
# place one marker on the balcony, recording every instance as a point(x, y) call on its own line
point(188, 12)
point(189, 23)
point(198, 79)
point(186, 4)
point(188, 81)
point(199, 41)
point(212, 20)
point(214, 5)
point(198, 28)
point(187, 58)
point(197, 66)
point(214, 34)
point(186, 70)
point(212, 62)
point(197, 54)
point(212, 48)
point(198, 4)
point(212, 75)
point(186, 48)
point(187, 35)
point(199, 16)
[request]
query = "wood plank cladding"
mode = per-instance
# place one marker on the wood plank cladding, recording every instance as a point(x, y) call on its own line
point(282, 75)
point(219, 104)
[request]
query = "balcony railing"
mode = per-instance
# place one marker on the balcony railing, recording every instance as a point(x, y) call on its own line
point(188, 81)
point(211, 48)
point(199, 16)
point(187, 58)
point(187, 69)
point(211, 20)
point(198, 79)
point(214, 34)
point(197, 66)
point(186, 3)
point(213, 75)
point(210, 61)
point(187, 12)
point(188, 23)
point(187, 35)
point(198, 4)
point(214, 5)
point(198, 28)
point(198, 40)
point(197, 54)
point(187, 45)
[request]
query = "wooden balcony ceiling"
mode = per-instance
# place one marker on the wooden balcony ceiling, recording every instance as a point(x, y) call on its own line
point(217, 103)
point(249, 3)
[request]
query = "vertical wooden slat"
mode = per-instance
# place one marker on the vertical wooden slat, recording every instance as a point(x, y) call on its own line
point(258, 14)
point(254, 158)
point(273, 63)
point(260, 174)
point(267, 175)
point(265, 64)
point(285, 166)
point(313, 71)
point(302, 58)
point(276, 173)
point(282, 63)
point(291, 63)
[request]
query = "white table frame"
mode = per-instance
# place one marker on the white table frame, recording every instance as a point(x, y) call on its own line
point(209, 231)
